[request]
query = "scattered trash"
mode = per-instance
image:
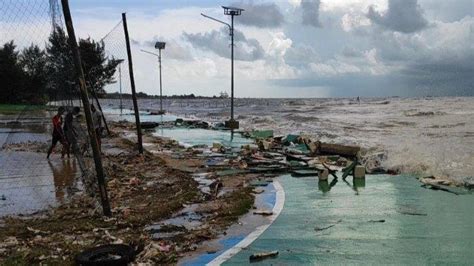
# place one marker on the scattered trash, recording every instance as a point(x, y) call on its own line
point(264, 213)
point(324, 228)
point(377, 221)
point(443, 184)
point(114, 254)
point(148, 125)
point(259, 183)
point(408, 212)
point(261, 134)
point(263, 255)
point(304, 173)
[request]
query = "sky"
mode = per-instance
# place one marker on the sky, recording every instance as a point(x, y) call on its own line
point(296, 48)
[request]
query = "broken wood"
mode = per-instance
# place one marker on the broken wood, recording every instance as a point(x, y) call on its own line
point(337, 149)
point(263, 255)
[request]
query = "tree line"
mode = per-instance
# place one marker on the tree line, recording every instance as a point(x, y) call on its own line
point(36, 76)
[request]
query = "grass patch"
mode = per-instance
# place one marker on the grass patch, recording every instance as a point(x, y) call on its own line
point(16, 108)
point(238, 203)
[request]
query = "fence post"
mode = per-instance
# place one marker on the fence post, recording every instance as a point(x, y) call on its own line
point(132, 84)
point(87, 108)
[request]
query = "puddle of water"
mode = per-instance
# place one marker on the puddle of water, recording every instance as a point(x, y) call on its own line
point(30, 183)
point(185, 220)
point(384, 219)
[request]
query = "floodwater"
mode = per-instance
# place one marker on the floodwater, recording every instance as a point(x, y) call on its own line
point(29, 182)
point(419, 135)
point(384, 220)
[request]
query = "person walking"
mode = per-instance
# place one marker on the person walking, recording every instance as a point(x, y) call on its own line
point(58, 134)
point(97, 121)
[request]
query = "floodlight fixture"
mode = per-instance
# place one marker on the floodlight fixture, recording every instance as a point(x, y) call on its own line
point(160, 45)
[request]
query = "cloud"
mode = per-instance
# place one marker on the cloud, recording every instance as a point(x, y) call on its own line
point(301, 54)
point(404, 16)
point(173, 50)
point(266, 15)
point(310, 9)
point(217, 41)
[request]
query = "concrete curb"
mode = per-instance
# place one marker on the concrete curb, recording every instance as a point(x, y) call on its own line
point(279, 203)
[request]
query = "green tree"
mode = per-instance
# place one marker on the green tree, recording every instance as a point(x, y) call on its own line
point(98, 69)
point(11, 74)
point(60, 68)
point(33, 61)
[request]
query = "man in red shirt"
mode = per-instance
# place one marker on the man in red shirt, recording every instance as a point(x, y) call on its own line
point(58, 134)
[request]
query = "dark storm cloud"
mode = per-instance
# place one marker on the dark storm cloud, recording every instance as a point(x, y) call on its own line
point(310, 9)
point(266, 15)
point(402, 15)
point(217, 41)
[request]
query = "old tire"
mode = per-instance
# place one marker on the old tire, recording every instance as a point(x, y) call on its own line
point(117, 254)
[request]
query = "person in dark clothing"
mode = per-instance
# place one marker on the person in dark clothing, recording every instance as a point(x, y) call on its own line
point(58, 134)
point(69, 130)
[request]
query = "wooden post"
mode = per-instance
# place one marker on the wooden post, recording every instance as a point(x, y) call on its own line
point(87, 108)
point(132, 84)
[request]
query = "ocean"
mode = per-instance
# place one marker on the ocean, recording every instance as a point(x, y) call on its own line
point(425, 136)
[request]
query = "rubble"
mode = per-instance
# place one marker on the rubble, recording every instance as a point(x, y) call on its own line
point(263, 255)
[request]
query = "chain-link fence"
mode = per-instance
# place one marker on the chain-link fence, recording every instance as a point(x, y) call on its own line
point(38, 77)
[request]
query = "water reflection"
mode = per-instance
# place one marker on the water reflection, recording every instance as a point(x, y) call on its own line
point(64, 178)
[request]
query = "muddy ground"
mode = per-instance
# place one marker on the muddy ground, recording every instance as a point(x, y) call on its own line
point(143, 190)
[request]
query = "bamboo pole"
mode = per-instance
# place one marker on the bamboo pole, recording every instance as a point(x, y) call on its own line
point(132, 84)
point(87, 109)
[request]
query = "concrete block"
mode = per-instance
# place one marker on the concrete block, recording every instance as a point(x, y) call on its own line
point(323, 174)
point(359, 171)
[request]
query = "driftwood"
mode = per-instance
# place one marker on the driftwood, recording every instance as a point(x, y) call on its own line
point(318, 147)
point(263, 255)
point(337, 149)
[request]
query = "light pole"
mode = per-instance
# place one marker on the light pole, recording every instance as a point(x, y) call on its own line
point(230, 11)
point(160, 46)
point(120, 61)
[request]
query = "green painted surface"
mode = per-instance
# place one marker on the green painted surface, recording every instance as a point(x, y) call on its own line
point(441, 233)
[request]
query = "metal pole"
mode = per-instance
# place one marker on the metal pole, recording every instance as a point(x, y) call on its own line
point(120, 82)
point(161, 91)
point(132, 83)
point(232, 69)
point(87, 109)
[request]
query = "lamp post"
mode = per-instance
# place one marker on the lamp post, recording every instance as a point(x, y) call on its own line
point(160, 46)
point(230, 11)
point(120, 61)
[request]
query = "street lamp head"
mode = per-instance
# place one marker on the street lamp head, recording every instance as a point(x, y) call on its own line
point(232, 11)
point(160, 45)
point(120, 61)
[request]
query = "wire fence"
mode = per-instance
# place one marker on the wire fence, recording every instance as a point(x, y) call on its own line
point(36, 65)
